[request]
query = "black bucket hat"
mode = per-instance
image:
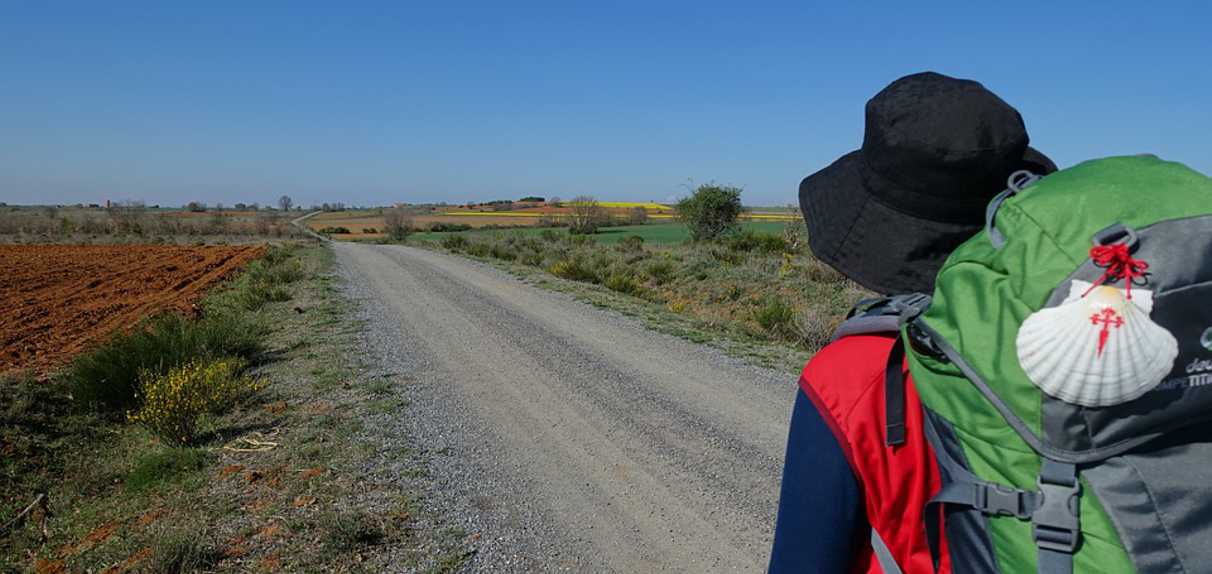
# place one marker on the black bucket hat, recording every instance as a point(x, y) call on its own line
point(935, 151)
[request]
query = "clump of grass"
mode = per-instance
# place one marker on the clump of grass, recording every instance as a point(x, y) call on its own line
point(502, 252)
point(349, 531)
point(265, 281)
point(775, 316)
point(573, 268)
point(183, 552)
point(623, 282)
point(170, 404)
point(630, 244)
point(107, 378)
point(661, 271)
point(477, 248)
point(749, 241)
point(258, 294)
point(163, 466)
point(454, 242)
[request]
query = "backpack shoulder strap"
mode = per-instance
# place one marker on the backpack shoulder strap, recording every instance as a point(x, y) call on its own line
point(881, 315)
point(887, 315)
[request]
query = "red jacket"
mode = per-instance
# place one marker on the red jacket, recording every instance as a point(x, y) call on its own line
point(845, 381)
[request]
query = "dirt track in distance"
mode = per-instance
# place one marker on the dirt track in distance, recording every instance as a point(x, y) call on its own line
point(570, 438)
point(60, 299)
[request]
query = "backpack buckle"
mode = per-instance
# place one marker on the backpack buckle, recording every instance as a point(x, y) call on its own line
point(1003, 500)
point(1057, 518)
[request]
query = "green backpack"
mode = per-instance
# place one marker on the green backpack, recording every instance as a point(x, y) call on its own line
point(1117, 477)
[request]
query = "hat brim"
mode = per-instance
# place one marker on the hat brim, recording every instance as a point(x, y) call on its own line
point(878, 247)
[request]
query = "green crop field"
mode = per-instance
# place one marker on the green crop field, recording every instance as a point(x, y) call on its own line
point(656, 233)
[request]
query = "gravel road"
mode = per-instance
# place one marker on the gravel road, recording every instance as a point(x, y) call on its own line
point(569, 438)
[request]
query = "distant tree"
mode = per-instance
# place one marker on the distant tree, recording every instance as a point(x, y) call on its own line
point(531, 199)
point(397, 224)
point(586, 215)
point(710, 211)
point(240, 206)
point(637, 216)
point(196, 206)
point(285, 202)
point(554, 201)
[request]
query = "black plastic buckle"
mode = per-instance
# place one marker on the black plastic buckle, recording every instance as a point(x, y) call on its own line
point(1057, 518)
point(1116, 233)
point(1003, 501)
point(923, 344)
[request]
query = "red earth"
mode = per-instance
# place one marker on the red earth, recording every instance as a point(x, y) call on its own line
point(58, 300)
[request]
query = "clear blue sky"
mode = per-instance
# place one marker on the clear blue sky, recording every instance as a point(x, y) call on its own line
point(366, 102)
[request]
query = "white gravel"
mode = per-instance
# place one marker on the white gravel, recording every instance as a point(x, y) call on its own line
point(567, 437)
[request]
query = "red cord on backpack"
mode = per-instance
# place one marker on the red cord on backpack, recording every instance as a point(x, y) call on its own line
point(1119, 263)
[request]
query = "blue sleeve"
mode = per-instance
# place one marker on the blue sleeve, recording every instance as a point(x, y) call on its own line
point(821, 522)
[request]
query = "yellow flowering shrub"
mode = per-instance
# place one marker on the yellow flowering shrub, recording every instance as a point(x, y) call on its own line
point(172, 403)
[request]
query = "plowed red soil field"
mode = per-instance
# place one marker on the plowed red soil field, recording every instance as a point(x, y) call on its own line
point(57, 300)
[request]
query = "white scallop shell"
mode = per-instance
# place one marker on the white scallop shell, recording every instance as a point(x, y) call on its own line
point(1059, 347)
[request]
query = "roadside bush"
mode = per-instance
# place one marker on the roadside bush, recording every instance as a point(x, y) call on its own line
point(533, 258)
point(275, 268)
point(586, 216)
point(573, 268)
point(630, 244)
point(107, 378)
point(814, 328)
point(623, 282)
point(171, 403)
point(637, 216)
point(747, 241)
point(711, 211)
point(264, 281)
point(397, 224)
point(478, 249)
point(795, 233)
point(726, 255)
point(661, 271)
point(454, 242)
point(369, 230)
point(776, 316)
point(549, 235)
point(258, 293)
point(442, 227)
point(502, 252)
point(335, 230)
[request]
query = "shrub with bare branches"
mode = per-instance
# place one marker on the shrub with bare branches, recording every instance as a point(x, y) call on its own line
point(397, 224)
point(637, 216)
point(586, 215)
